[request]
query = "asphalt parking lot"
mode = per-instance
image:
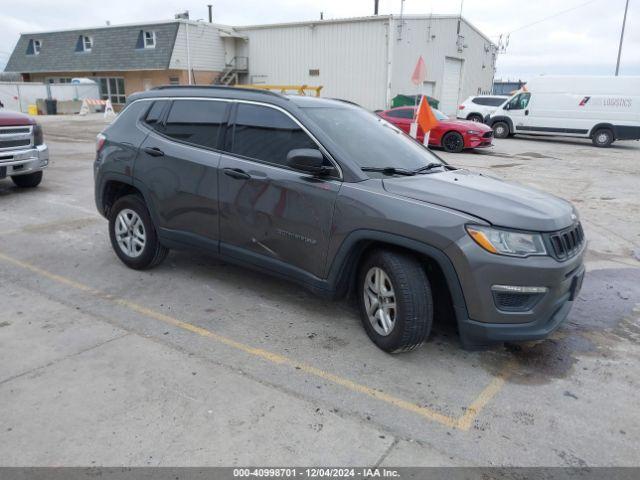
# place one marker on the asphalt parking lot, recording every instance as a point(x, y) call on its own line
point(198, 362)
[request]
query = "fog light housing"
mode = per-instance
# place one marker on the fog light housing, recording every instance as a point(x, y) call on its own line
point(514, 298)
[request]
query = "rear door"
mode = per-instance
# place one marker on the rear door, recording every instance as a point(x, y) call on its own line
point(178, 167)
point(271, 215)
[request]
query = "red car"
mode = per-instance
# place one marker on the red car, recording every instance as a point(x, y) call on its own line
point(452, 135)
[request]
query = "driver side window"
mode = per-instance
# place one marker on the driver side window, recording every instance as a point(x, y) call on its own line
point(519, 102)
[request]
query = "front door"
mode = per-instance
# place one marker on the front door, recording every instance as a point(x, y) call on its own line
point(276, 216)
point(180, 167)
point(519, 112)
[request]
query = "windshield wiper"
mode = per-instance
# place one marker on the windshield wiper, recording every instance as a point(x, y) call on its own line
point(389, 170)
point(429, 166)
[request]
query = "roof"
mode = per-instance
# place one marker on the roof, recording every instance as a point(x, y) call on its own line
point(114, 48)
point(372, 18)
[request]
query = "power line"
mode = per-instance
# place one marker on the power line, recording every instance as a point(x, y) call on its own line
point(552, 16)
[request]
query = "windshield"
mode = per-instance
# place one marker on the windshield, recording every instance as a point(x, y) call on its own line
point(439, 115)
point(369, 140)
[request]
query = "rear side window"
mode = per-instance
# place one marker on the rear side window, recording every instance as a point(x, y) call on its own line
point(266, 134)
point(489, 101)
point(198, 122)
point(404, 113)
point(154, 115)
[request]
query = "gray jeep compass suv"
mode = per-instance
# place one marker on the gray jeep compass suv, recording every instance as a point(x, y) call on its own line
point(331, 196)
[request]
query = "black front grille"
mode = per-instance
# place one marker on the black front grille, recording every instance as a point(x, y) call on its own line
point(515, 302)
point(567, 243)
point(15, 143)
point(489, 134)
point(12, 130)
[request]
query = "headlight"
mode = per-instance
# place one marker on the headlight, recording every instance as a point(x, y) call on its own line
point(473, 132)
point(506, 242)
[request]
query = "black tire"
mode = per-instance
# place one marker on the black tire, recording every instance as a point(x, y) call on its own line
point(602, 137)
point(30, 180)
point(453, 142)
point(152, 253)
point(475, 117)
point(413, 313)
point(500, 130)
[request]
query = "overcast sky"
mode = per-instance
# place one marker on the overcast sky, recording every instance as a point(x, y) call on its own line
point(582, 41)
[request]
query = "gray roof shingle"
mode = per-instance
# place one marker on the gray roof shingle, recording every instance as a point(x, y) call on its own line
point(114, 48)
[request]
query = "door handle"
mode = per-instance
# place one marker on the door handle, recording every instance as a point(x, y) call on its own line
point(236, 173)
point(526, 112)
point(153, 151)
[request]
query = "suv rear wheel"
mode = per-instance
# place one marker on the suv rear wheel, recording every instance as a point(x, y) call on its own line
point(133, 235)
point(396, 305)
point(29, 180)
point(475, 117)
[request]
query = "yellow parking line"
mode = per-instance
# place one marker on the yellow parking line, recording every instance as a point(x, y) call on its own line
point(462, 423)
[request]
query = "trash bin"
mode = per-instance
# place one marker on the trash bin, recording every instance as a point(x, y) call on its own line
point(52, 107)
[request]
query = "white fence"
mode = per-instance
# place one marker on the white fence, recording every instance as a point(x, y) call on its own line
point(19, 95)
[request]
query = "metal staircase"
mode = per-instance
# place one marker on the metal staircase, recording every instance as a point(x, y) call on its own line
point(232, 71)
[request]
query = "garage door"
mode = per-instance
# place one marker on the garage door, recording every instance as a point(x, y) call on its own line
point(450, 85)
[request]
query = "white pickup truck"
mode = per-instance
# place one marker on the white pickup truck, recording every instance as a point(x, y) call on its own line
point(23, 153)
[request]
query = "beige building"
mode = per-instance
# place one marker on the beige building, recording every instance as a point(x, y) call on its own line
point(125, 59)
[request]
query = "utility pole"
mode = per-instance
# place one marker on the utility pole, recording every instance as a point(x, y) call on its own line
point(624, 21)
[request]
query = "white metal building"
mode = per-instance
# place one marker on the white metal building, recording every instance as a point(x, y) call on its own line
point(369, 60)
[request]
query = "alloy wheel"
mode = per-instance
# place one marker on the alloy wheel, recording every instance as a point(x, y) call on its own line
point(380, 301)
point(130, 233)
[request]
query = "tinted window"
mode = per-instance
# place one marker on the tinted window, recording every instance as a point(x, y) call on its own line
point(267, 134)
point(196, 121)
point(154, 115)
point(488, 101)
point(495, 101)
point(403, 113)
point(519, 102)
point(368, 139)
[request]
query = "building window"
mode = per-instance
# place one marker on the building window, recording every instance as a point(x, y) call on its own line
point(174, 80)
point(112, 88)
point(84, 44)
point(34, 47)
point(87, 43)
point(58, 80)
point(149, 39)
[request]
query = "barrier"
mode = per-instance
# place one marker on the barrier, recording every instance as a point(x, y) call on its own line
point(108, 108)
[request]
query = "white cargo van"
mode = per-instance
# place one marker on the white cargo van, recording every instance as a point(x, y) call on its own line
point(604, 109)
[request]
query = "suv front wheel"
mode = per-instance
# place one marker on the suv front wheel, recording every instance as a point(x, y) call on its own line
point(133, 235)
point(396, 305)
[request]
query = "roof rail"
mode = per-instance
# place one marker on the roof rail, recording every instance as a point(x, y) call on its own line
point(218, 87)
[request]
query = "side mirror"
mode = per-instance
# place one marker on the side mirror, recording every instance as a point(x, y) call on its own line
point(506, 107)
point(307, 160)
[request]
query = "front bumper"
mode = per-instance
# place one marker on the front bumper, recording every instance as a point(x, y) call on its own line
point(23, 162)
point(486, 323)
point(478, 142)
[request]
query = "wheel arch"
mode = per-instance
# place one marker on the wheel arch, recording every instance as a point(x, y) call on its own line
point(113, 189)
point(448, 294)
point(504, 119)
point(600, 125)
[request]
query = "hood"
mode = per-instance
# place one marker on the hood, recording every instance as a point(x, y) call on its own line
point(468, 124)
point(11, 119)
point(498, 202)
